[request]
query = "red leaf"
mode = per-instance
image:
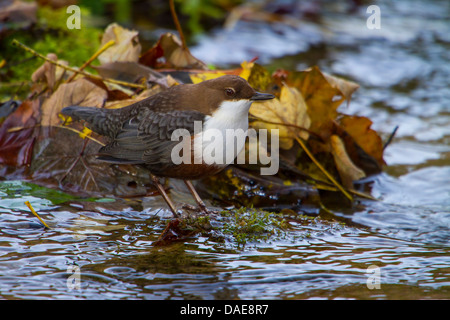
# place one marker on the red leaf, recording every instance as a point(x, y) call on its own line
point(17, 135)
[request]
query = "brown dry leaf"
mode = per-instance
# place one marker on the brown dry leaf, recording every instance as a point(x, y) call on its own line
point(348, 171)
point(114, 91)
point(126, 47)
point(345, 86)
point(18, 12)
point(46, 71)
point(174, 231)
point(80, 92)
point(322, 95)
point(132, 72)
point(170, 48)
point(290, 108)
point(359, 128)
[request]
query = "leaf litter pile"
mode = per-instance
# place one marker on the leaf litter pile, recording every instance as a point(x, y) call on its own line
point(322, 151)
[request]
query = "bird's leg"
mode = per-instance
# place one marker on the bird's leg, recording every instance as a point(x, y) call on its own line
point(197, 198)
point(164, 195)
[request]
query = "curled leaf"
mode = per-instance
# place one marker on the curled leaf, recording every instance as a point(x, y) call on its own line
point(126, 47)
point(348, 171)
point(322, 93)
point(169, 52)
point(364, 145)
point(46, 71)
point(80, 92)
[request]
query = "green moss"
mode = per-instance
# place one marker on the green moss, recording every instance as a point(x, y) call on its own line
point(250, 225)
point(76, 45)
point(49, 35)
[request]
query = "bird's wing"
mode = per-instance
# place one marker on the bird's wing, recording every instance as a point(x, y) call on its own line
point(146, 138)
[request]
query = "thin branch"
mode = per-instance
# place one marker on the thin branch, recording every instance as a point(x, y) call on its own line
point(37, 54)
point(324, 171)
point(80, 133)
point(28, 204)
point(391, 137)
point(286, 125)
point(99, 52)
point(177, 25)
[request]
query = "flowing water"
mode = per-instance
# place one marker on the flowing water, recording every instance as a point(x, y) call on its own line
point(394, 248)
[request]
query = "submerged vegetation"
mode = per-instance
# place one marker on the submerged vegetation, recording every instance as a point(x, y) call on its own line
point(248, 225)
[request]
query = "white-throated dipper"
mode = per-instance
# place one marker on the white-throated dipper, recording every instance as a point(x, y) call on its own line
point(141, 133)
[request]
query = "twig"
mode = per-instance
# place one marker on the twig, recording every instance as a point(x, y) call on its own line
point(317, 163)
point(99, 52)
point(388, 142)
point(178, 25)
point(28, 204)
point(286, 125)
point(37, 54)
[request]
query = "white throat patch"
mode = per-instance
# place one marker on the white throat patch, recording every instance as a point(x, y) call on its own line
point(224, 133)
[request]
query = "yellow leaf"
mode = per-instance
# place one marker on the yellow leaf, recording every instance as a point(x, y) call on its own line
point(322, 93)
point(126, 47)
point(200, 77)
point(345, 86)
point(246, 69)
point(290, 108)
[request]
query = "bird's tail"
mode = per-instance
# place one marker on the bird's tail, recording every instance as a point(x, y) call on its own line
point(98, 119)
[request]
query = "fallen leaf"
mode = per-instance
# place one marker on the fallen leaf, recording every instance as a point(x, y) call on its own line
point(113, 93)
point(18, 12)
point(348, 171)
point(243, 72)
point(16, 146)
point(258, 77)
point(322, 94)
point(368, 152)
point(290, 108)
point(80, 92)
point(126, 48)
point(46, 71)
point(174, 231)
point(169, 52)
point(345, 86)
point(132, 72)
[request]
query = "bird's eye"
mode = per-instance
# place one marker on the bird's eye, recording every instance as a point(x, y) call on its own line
point(230, 92)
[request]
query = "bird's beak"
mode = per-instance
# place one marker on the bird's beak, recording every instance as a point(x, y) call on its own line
point(262, 96)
